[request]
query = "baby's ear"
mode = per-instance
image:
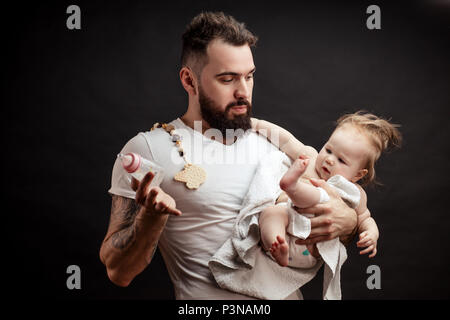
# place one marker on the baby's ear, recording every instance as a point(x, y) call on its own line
point(361, 173)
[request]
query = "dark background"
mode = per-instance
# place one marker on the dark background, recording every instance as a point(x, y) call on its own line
point(73, 98)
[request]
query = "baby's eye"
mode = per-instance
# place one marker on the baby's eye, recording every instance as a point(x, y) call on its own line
point(341, 161)
point(327, 150)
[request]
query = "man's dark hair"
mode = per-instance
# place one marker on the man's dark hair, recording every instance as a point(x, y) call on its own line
point(209, 26)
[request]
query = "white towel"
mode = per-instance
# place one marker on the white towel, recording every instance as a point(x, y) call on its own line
point(333, 252)
point(240, 265)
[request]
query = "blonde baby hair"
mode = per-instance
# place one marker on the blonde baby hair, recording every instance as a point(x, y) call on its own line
point(383, 136)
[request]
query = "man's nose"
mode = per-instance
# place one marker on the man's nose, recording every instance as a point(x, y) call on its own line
point(243, 90)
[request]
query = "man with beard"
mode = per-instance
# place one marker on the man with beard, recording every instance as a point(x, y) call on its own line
point(189, 224)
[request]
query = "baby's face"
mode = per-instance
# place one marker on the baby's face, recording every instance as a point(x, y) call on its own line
point(345, 153)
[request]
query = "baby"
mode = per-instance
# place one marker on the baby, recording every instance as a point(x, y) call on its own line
point(350, 152)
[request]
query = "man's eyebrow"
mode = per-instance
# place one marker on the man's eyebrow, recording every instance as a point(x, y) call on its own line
point(229, 73)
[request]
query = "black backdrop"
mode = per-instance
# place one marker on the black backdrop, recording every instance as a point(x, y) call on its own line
point(72, 98)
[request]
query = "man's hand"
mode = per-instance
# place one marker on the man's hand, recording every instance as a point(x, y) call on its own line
point(153, 200)
point(332, 219)
point(134, 230)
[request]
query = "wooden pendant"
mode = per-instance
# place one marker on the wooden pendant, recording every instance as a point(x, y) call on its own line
point(192, 175)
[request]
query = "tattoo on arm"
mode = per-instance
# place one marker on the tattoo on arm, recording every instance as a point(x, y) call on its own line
point(122, 238)
point(123, 214)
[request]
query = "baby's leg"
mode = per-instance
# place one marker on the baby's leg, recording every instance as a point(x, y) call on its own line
point(302, 194)
point(289, 181)
point(273, 222)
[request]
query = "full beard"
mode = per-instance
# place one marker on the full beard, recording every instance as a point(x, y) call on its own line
point(219, 120)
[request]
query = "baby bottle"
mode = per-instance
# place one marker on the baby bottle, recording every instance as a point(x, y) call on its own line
point(138, 167)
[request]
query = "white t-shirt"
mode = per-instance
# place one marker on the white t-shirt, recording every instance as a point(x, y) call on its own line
point(208, 213)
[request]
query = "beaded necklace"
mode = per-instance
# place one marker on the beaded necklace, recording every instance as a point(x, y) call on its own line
point(192, 175)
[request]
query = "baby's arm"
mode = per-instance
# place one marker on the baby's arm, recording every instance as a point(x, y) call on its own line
point(367, 227)
point(283, 139)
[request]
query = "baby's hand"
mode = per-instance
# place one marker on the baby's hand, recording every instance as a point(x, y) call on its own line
point(303, 156)
point(367, 239)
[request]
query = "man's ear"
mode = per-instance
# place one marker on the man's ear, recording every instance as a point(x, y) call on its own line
point(189, 80)
point(361, 173)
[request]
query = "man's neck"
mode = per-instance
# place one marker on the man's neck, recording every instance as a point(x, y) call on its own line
point(190, 122)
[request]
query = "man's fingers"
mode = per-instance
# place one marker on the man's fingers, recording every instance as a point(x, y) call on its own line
point(152, 197)
point(374, 253)
point(301, 242)
point(324, 185)
point(312, 240)
point(141, 193)
point(134, 183)
point(147, 178)
point(160, 207)
point(317, 210)
point(321, 231)
point(174, 211)
point(317, 182)
point(319, 222)
point(142, 190)
point(161, 202)
point(163, 207)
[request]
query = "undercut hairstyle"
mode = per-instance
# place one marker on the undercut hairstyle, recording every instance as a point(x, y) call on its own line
point(209, 26)
point(382, 134)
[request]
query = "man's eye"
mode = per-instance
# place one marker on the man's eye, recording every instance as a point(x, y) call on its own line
point(249, 77)
point(227, 79)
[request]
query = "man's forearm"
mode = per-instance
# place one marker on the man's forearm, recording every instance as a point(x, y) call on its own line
point(130, 243)
point(128, 252)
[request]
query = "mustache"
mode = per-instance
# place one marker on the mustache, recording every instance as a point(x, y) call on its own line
point(238, 103)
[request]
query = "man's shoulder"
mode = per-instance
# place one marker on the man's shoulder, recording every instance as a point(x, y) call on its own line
point(255, 137)
point(155, 132)
point(260, 145)
point(143, 141)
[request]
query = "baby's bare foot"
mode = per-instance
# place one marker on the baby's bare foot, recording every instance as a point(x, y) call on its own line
point(291, 176)
point(280, 251)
